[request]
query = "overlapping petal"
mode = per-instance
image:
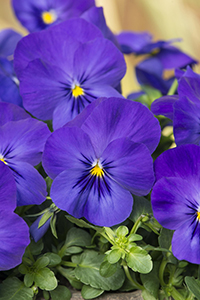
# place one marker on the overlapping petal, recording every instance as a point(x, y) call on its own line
point(7, 189)
point(127, 119)
point(8, 41)
point(164, 106)
point(29, 13)
point(101, 202)
point(11, 112)
point(14, 238)
point(183, 161)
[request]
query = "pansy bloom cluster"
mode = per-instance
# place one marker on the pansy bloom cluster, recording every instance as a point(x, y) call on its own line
point(89, 190)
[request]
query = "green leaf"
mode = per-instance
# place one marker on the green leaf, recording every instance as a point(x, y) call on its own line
point(151, 280)
point(82, 223)
point(54, 259)
point(139, 260)
point(165, 238)
point(114, 256)
point(61, 293)
point(46, 295)
point(134, 237)
point(89, 292)
point(73, 250)
point(45, 279)
point(141, 206)
point(87, 271)
point(69, 275)
point(122, 231)
point(147, 296)
point(14, 289)
point(41, 262)
point(107, 269)
point(45, 218)
point(29, 279)
point(77, 237)
point(193, 285)
point(36, 248)
point(53, 226)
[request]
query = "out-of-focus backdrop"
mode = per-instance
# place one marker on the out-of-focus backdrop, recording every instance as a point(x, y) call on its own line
point(164, 19)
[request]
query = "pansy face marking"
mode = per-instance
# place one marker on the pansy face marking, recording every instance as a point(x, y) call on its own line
point(2, 159)
point(77, 91)
point(97, 169)
point(49, 17)
point(198, 216)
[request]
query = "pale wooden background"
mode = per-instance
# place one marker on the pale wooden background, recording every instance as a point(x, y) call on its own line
point(165, 19)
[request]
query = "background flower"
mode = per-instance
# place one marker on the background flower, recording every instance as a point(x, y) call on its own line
point(38, 15)
point(175, 199)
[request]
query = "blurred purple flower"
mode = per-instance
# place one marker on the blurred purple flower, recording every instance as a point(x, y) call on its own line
point(9, 84)
point(63, 69)
point(36, 15)
point(183, 109)
point(176, 199)
point(100, 158)
point(14, 232)
point(162, 56)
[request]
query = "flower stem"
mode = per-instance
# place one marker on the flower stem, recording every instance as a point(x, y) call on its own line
point(128, 275)
point(176, 295)
point(161, 272)
point(137, 224)
point(173, 87)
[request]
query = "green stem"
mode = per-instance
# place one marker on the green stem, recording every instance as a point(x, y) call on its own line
point(69, 264)
point(176, 295)
point(137, 224)
point(128, 275)
point(173, 87)
point(161, 272)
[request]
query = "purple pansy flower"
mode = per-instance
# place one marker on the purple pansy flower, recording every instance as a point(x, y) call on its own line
point(100, 158)
point(12, 242)
point(11, 112)
point(162, 56)
point(176, 199)
point(36, 15)
point(8, 41)
point(9, 84)
point(183, 109)
point(21, 147)
point(63, 69)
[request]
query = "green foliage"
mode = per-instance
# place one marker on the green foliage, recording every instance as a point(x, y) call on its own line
point(193, 285)
point(61, 292)
point(139, 260)
point(89, 292)
point(14, 289)
point(88, 271)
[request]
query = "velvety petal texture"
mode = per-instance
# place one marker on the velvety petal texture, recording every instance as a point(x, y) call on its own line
point(128, 119)
point(12, 242)
point(99, 159)
point(36, 15)
point(11, 112)
point(68, 72)
point(183, 109)
point(175, 199)
point(22, 144)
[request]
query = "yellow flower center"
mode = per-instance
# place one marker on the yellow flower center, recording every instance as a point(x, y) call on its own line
point(155, 51)
point(97, 171)
point(2, 159)
point(198, 215)
point(49, 17)
point(77, 91)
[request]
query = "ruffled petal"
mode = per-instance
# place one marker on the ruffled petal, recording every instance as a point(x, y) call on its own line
point(130, 165)
point(102, 203)
point(117, 117)
point(185, 242)
point(14, 238)
point(174, 201)
point(164, 106)
point(23, 140)
point(31, 186)
point(183, 162)
point(67, 148)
